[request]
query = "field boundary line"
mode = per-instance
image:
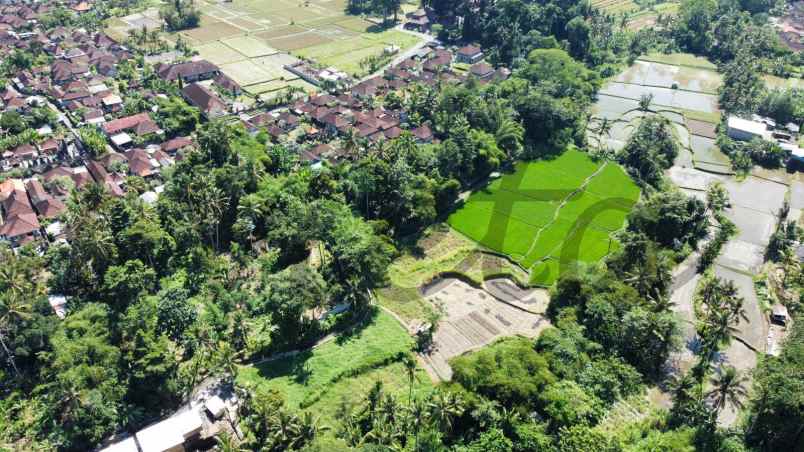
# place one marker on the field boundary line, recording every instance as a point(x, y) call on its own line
point(665, 87)
point(556, 213)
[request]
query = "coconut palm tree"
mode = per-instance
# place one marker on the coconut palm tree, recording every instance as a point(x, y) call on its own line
point(728, 388)
point(410, 369)
point(603, 129)
point(417, 415)
point(351, 144)
point(444, 407)
point(509, 136)
point(309, 427)
point(13, 308)
point(226, 442)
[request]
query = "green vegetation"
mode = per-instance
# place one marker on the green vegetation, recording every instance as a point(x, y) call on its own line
point(304, 378)
point(548, 208)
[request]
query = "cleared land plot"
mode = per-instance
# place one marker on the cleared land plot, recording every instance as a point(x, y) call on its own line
point(548, 206)
point(247, 72)
point(355, 24)
point(649, 73)
point(219, 53)
point(306, 377)
point(246, 24)
point(277, 60)
point(212, 32)
point(249, 46)
point(472, 319)
point(299, 41)
point(279, 32)
point(683, 89)
point(615, 6)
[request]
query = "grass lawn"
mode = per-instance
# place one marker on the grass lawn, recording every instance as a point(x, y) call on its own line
point(548, 208)
point(304, 379)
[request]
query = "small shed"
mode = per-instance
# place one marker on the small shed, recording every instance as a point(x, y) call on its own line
point(59, 305)
point(216, 406)
point(779, 313)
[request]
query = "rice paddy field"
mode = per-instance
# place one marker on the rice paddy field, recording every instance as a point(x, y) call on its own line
point(550, 215)
point(683, 89)
point(238, 35)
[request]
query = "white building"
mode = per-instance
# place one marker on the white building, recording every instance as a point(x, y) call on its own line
point(745, 130)
point(171, 434)
point(126, 445)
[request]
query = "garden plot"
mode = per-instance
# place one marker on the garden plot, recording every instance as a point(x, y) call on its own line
point(550, 215)
point(472, 319)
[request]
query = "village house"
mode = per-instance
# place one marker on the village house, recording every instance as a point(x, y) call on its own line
point(469, 54)
point(118, 130)
point(20, 224)
point(191, 71)
point(204, 99)
point(417, 21)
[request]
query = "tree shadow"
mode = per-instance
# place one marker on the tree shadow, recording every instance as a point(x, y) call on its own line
point(357, 328)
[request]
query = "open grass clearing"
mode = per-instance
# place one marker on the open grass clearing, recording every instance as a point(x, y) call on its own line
point(353, 390)
point(308, 376)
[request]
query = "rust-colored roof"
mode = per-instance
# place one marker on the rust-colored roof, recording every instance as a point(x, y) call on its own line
point(129, 122)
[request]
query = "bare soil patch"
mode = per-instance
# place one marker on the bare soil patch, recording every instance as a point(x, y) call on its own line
point(472, 318)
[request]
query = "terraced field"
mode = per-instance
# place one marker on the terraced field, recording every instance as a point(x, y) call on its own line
point(615, 6)
point(550, 215)
point(683, 89)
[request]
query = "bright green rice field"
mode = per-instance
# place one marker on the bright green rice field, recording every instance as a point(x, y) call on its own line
point(550, 215)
